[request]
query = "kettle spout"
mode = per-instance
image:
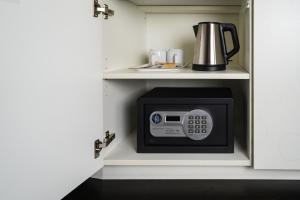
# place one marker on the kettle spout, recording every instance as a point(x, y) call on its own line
point(195, 30)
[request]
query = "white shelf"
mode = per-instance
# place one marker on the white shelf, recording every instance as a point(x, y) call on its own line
point(191, 9)
point(231, 73)
point(186, 2)
point(125, 154)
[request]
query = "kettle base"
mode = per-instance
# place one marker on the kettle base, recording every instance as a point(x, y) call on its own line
point(197, 67)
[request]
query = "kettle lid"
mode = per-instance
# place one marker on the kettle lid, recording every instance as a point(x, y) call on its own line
point(209, 23)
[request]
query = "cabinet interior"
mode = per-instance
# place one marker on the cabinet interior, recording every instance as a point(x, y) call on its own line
point(139, 26)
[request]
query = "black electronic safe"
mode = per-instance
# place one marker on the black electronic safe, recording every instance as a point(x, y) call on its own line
point(185, 120)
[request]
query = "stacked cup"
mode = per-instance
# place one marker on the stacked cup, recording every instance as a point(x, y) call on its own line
point(163, 56)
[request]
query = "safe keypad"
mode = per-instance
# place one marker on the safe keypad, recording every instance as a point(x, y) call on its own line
point(197, 124)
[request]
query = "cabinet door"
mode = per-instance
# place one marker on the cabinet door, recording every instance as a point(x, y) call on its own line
point(276, 84)
point(51, 96)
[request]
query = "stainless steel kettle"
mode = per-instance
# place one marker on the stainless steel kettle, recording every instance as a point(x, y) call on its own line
point(210, 53)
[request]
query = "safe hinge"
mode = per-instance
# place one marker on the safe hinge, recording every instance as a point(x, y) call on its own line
point(102, 10)
point(98, 145)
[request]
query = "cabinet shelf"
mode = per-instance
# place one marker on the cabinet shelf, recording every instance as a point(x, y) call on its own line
point(191, 9)
point(186, 2)
point(125, 154)
point(231, 73)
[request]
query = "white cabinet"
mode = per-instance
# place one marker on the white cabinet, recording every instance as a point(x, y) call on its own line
point(50, 97)
point(137, 28)
point(65, 81)
point(276, 81)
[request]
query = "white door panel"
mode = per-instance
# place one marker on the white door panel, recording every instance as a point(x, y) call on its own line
point(50, 96)
point(276, 84)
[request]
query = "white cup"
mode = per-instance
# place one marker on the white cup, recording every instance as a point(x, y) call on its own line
point(175, 56)
point(157, 57)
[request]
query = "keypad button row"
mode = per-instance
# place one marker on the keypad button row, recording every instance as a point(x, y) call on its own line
point(197, 122)
point(197, 131)
point(198, 126)
point(197, 117)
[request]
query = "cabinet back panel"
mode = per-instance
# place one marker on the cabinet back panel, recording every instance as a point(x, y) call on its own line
point(124, 36)
point(175, 31)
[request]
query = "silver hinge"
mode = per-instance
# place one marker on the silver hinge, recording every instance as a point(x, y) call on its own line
point(102, 10)
point(98, 145)
point(248, 4)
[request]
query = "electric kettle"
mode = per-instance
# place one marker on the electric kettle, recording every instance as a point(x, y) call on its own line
point(210, 53)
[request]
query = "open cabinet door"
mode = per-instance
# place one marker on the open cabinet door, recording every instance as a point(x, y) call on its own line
point(276, 84)
point(51, 96)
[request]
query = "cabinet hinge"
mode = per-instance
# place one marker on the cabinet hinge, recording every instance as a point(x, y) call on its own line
point(102, 10)
point(98, 145)
point(248, 4)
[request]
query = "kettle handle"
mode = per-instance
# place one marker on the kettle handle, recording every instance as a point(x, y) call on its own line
point(235, 39)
